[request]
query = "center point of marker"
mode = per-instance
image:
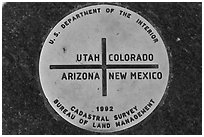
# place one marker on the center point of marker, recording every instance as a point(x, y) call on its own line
point(104, 67)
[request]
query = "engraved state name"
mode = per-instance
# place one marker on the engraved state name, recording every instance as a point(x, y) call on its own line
point(117, 75)
point(114, 57)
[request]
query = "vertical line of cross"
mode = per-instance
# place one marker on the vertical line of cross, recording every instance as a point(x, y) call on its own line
point(104, 67)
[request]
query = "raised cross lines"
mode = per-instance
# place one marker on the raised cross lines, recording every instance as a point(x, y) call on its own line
point(104, 66)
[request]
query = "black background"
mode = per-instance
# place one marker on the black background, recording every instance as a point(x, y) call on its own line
point(25, 27)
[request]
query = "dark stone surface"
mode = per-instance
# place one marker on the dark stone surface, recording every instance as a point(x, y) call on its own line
point(25, 26)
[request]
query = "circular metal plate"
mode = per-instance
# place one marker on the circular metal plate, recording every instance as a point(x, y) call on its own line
point(104, 68)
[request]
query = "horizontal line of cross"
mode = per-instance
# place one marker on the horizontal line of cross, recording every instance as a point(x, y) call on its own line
point(118, 66)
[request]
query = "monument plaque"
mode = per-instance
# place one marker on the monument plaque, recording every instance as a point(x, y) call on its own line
point(104, 68)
